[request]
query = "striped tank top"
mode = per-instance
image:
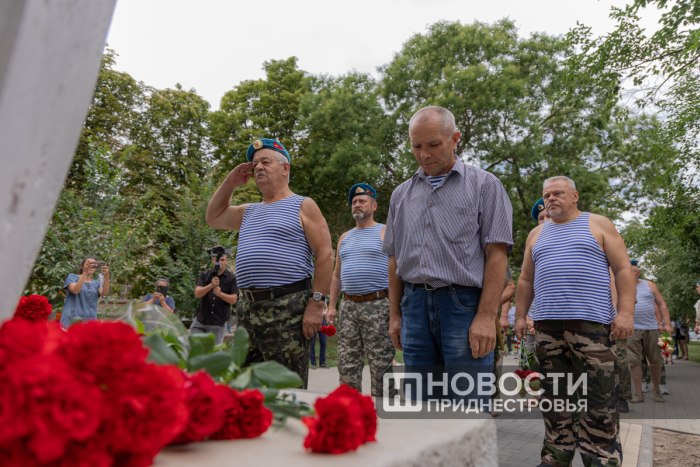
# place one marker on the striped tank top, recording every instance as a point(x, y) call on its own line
point(363, 265)
point(572, 279)
point(272, 246)
point(644, 316)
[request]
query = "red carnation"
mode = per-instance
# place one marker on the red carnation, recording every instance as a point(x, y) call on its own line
point(328, 330)
point(33, 308)
point(109, 351)
point(146, 411)
point(205, 400)
point(338, 426)
point(522, 374)
point(60, 408)
point(232, 411)
point(246, 416)
point(21, 339)
point(255, 418)
point(369, 413)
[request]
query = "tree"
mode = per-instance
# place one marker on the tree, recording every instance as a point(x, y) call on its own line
point(527, 112)
point(346, 136)
point(259, 108)
point(669, 242)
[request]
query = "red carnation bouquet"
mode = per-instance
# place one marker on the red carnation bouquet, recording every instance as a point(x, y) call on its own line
point(33, 308)
point(87, 396)
point(344, 420)
point(328, 330)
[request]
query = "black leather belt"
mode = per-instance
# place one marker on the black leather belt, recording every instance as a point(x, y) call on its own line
point(446, 287)
point(256, 295)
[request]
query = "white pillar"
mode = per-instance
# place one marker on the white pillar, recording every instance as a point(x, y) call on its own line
point(50, 55)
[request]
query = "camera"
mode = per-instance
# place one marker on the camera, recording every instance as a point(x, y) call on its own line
point(162, 289)
point(217, 251)
point(98, 265)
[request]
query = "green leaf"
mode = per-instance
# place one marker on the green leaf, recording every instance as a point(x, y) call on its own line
point(243, 380)
point(201, 344)
point(239, 348)
point(275, 375)
point(215, 364)
point(160, 352)
point(139, 327)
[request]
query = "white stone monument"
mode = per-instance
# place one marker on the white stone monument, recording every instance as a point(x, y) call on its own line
point(50, 55)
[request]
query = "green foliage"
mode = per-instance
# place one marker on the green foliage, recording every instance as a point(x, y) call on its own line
point(226, 365)
point(669, 243)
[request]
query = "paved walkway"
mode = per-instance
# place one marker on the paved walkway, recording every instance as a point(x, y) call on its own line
point(520, 440)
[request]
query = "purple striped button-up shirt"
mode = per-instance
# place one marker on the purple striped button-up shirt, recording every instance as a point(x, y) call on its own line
point(438, 235)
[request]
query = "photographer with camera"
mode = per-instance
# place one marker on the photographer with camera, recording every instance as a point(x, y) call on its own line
point(160, 297)
point(83, 290)
point(218, 290)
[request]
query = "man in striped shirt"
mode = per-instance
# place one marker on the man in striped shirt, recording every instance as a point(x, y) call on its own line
point(566, 268)
point(361, 273)
point(447, 233)
point(282, 308)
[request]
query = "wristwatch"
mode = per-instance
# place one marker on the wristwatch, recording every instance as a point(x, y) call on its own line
point(318, 296)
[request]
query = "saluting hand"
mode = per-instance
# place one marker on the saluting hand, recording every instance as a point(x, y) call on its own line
point(240, 175)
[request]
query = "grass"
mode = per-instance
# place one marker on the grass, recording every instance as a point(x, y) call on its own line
point(332, 352)
point(694, 351)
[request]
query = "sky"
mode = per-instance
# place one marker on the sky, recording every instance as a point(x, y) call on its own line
point(212, 45)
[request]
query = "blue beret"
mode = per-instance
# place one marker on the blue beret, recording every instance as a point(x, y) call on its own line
point(537, 208)
point(266, 143)
point(361, 189)
point(634, 262)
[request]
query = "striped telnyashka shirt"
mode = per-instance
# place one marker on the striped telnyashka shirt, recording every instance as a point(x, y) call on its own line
point(644, 315)
point(272, 245)
point(572, 278)
point(438, 236)
point(363, 264)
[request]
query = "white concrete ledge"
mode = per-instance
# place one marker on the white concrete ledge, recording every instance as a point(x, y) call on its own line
point(400, 443)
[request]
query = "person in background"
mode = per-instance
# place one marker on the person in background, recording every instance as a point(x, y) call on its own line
point(83, 291)
point(160, 297)
point(643, 345)
point(217, 291)
point(321, 349)
point(361, 273)
point(697, 308)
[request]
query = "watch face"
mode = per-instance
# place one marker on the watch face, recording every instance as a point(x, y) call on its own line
point(318, 296)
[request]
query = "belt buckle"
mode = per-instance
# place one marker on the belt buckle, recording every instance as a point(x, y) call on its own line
point(248, 295)
point(429, 287)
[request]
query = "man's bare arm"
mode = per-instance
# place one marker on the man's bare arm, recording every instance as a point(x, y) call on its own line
point(220, 214)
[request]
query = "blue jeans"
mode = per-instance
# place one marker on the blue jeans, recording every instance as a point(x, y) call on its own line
point(435, 339)
point(322, 343)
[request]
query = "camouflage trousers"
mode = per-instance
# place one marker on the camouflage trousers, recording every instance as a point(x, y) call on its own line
point(363, 331)
point(579, 347)
point(622, 370)
point(275, 329)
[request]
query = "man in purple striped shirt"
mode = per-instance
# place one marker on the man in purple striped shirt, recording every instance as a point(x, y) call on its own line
point(447, 233)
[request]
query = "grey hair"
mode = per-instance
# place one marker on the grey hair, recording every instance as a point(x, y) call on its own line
point(447, 119)
point(560, 178)
point(281, 158)
point(162, 279)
